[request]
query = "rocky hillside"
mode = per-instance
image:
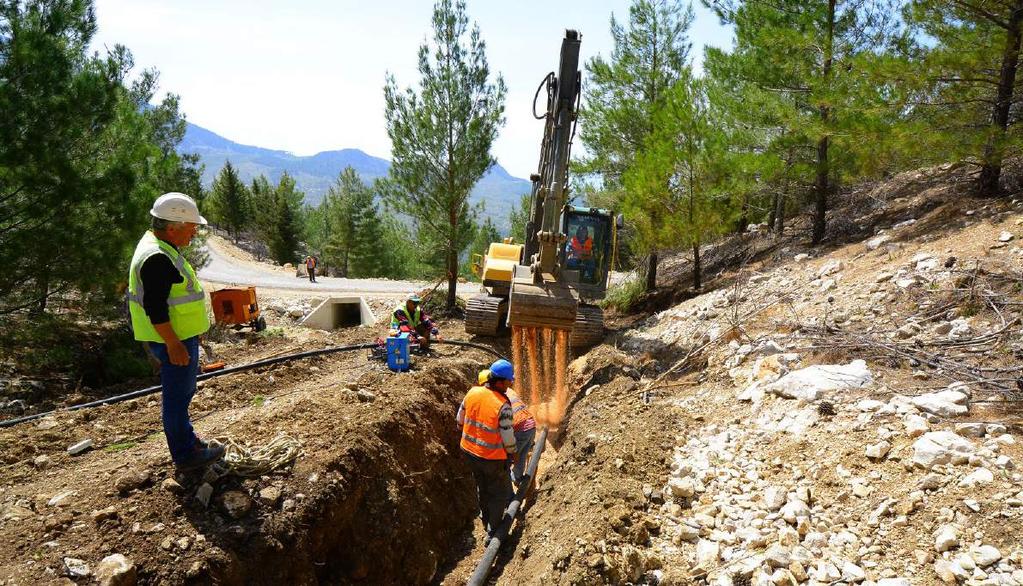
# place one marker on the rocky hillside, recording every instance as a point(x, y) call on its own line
point(845, 416)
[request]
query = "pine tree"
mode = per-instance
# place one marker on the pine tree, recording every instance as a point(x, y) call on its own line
point(968, 91)
point(82, 155)
point(286, 230)
point(229, 203)
point(624, 92)
point(518, 218)
point(441, 135)
point(814, 60)
point(263, 212)
point(675, 189)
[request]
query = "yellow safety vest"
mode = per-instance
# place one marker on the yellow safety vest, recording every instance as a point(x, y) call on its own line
point(186, 302)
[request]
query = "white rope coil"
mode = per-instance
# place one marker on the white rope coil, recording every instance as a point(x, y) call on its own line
point(241, 459)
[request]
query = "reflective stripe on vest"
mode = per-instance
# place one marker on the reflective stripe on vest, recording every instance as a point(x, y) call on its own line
point(186, 301)
point(413, 321)
point(481, 430)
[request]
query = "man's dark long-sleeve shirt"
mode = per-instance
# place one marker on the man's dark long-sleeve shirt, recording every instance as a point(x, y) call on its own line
point(158, 274)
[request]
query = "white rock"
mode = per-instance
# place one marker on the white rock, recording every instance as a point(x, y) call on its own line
point(682, 487)
point(801, 257)
point(1005, 236)
point(971, 429)
point(941, 447)
point(204, 493)
point(62, 499)
point(985, 555)
point(831, 267)
point(77, 568)
point(977, 477)
point(852, 573)
point(795, 510)
point(878, 450)
point(707, 553)
point(116, 570)
point(894, 582)
point(915, 425)
point(961, 329)
point(869, 405)
point(774, 498)
point(877, 241)
point(947, 538)
point(809, 383)
point(943, 403)
point(79, 447)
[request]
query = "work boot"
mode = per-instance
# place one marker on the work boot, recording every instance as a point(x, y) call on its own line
point(201, 458)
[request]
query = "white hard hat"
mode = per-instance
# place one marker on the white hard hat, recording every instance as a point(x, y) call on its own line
point(177, 207)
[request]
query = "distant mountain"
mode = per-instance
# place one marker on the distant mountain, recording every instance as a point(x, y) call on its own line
point(498, 189)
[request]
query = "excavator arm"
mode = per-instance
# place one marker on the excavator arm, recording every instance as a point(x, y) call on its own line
point(540, 294)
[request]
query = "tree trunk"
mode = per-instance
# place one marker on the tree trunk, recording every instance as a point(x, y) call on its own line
point(821, 186)
point(696, 267)
point(743, 222)
point(344, 264)
point(452, 278)
point(991, 170)
point(42, 291)
point(778, 225)
point(651, 273)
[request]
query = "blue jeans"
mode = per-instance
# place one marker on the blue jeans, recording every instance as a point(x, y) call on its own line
point(523, 443)
point(178, 388)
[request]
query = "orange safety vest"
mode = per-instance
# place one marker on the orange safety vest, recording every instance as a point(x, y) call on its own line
point(520, 413)
point(310, 262)
point(582, 250)
point(481, 431)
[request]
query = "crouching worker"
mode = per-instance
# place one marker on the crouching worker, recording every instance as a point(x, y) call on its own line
point(524, 426)
point(408, 317)
point(168, 312)
point(488, 442)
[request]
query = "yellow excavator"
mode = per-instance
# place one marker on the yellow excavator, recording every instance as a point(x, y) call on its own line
point(562, 269)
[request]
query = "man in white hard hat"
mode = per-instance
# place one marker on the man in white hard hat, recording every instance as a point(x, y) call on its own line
point(168, 312)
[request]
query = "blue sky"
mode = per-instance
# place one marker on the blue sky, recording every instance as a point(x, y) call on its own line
point(307, 75)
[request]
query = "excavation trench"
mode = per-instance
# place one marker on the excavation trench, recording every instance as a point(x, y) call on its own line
point(390, 503)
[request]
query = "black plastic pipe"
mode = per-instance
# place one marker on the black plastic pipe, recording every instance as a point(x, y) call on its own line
point(479, 576)
point(231, 370)
point(204, 376)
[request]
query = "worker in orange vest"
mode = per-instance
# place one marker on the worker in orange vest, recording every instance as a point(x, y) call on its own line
point(580, 253)
point(488, 442)
point(524, 426)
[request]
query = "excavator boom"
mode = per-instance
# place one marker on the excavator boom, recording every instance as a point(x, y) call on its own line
point(540, 295)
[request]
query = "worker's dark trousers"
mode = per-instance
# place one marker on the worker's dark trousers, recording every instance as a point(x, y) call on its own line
point(178, 388)
point(494, 487)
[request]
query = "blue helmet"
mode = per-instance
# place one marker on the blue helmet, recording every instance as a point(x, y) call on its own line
point(502, 369)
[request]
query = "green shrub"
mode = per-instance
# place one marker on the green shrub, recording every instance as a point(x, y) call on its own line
point(624, 296)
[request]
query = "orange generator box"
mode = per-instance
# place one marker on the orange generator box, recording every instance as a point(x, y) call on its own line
point(237, 307)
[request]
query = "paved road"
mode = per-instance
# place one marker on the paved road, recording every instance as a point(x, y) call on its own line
point(224, 270)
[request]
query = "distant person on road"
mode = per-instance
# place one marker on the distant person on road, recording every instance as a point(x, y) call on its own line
point(168, 313)
point(408, 317)
point(310, 266)
point(524, 426)
point(488, 442)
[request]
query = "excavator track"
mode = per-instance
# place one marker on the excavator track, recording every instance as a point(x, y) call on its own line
point(588, 329)
point(484, 314)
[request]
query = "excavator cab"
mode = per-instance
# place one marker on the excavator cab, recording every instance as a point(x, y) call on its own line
point(589, 247)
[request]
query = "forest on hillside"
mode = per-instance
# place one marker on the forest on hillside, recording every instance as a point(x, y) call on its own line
point(811, 98)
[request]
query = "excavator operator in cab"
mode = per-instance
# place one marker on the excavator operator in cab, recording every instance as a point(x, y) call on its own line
point(580, 253)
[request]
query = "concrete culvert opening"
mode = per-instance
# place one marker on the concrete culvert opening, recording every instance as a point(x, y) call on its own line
point(340, 312)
